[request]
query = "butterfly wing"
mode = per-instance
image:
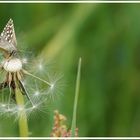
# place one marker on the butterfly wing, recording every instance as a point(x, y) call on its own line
point(8, 41)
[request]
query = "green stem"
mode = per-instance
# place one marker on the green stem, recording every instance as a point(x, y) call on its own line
point(23, 125)
point(73, 126)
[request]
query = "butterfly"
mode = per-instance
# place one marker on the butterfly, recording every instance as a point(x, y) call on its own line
point(8, 40)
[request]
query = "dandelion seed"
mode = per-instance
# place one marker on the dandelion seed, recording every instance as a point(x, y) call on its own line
point(40, 66)
point(52, 86)
point(3, 105)
point(24, 60)
point(9, 110)
point(34, 106)
point(20, 108)
point(36, 93)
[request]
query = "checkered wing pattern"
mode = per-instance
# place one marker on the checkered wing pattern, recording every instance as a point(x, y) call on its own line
point(7, 38)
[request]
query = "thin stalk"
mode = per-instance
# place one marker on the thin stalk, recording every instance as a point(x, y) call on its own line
point(23, 125)
point(46, 82)
point(73, 126)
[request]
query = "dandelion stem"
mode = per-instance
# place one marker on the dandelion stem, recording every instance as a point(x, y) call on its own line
point(73, 126)
point(26, 72)
point(23, 125)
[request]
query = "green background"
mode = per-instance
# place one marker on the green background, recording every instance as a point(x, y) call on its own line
point(107, 37)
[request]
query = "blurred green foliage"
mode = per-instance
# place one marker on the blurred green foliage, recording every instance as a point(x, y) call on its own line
point(107, 37)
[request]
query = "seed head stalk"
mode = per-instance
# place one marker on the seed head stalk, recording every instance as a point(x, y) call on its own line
point(23, 124)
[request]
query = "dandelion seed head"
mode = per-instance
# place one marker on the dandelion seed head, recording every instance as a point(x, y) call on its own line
point(12, 65)
point(38, 91)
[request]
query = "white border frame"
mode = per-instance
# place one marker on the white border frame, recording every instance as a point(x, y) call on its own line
point(68, 138)
point(71, 1)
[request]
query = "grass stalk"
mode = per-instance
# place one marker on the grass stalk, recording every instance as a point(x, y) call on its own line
point(73, 126)
point(23, 125)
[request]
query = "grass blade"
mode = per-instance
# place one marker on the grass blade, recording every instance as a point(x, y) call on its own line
point(73, 126)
